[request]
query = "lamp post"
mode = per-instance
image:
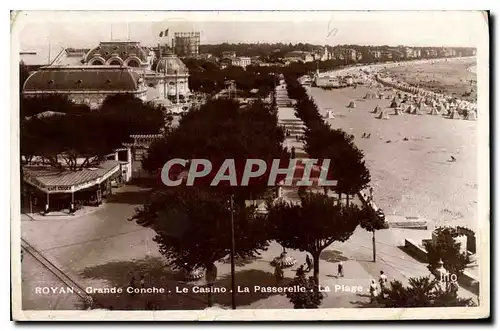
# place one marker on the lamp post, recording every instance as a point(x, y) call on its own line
point(233, 284)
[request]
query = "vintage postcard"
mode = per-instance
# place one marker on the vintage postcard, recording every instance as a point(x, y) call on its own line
point(250, 165)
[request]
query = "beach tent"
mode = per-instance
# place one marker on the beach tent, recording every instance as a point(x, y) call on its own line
point(394, 103)
point(369, 95)
point(329, 114)
point(471, 115)
point(351, 104)
point(417, 111)
point(454, 114)
point(434, 111)
point(397, 111)
point(376, 110)
point(387, 97)
point(409, 110)
point(383, 115)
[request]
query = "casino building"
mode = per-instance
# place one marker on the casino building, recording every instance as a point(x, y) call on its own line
point(85, 84)
point(115, 67)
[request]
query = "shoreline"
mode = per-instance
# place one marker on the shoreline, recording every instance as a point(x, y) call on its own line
point(378, 68)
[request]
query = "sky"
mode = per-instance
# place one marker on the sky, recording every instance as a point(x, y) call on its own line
point(35, 30)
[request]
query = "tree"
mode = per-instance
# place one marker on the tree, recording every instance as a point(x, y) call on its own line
point(372, 223)
point(192, 227)
point(129, 115)
point(72, 132)
point(223, 131)
point(311, 298)
point(314, 224)
point(445, 248)
point(422, 292)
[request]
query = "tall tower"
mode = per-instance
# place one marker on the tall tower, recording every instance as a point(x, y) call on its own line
point(186, 44)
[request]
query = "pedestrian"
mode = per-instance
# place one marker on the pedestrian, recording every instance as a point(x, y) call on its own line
point(340, 269)
point(382, 280)
point(293, 152)
point(142, 282)
point(308, 263)
point(132, 285)
point(373, 291)
point(278, 272)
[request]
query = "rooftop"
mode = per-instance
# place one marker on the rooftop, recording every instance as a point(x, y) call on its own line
point(88, 78)
point(53, 180)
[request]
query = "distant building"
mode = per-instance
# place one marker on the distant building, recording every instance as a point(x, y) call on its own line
point(350, 54)
point(228, 54)
point(205, 56)
point(407, 52)
point(187, 44)
point(88, 85)
point(238, 61)
point(299, 56)
point(386, 54)
point(376, 54)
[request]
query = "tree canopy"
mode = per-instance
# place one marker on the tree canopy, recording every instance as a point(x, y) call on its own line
point(73, 132)
point(445, 248)
point(193, 225)
point(422, 292)
point(314, 224)
point(220, 130)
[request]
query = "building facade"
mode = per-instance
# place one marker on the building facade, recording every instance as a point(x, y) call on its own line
point(120, 53)
point(88, 85)
point(171, 79)
point(299, 56)
point(187, 44)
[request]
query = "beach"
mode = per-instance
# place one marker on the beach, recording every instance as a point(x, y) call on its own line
point(413, 178)
point(455, 77)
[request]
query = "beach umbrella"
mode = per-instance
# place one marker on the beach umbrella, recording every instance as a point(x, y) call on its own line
point(376, 110)
point(351, 104)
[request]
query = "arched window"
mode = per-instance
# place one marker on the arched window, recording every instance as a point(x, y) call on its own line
point(133, 63)
point(115, 63)
point(97, 62)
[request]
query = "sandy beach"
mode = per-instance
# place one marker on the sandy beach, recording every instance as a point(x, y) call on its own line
point(413, 178)
point(455, 77)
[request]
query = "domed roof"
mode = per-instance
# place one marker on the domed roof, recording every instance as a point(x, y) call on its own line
point(170, 64)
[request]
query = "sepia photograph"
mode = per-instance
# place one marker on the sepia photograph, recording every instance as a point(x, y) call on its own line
point(273, 165)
